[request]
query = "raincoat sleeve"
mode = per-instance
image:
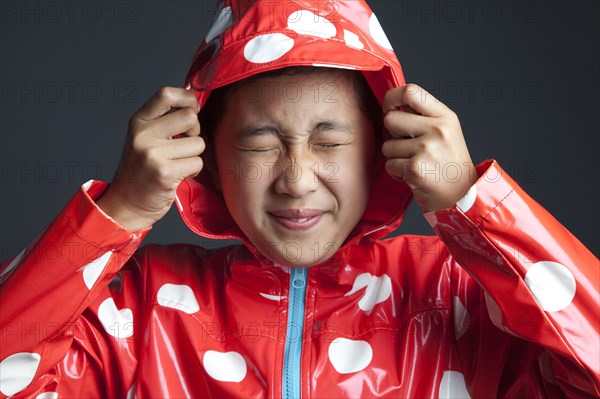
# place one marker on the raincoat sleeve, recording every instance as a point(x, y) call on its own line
point(68, 306)
point(535, 321)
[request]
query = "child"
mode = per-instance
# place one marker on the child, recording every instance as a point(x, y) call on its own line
point(309, 149)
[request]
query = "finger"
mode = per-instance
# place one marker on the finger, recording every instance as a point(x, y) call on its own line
point(183, 121)
point(408, 110)
point(402, 169)
point(184, 147)
point(396, 148)
point(187, 167)
point(165, 100)
point(416, 98)
point(405, 125)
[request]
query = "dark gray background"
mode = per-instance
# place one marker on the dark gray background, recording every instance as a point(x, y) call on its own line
point(522, 76)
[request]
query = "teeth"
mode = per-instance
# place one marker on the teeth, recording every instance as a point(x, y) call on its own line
point(300, 220)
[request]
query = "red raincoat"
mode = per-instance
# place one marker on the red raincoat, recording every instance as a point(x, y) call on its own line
point(503, 302)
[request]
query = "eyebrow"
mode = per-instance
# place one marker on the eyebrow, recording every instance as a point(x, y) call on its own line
point(257, 129)
point(333, 124)
point(261, 129)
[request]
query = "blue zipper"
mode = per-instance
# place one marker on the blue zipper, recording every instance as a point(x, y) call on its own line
point(293, 340)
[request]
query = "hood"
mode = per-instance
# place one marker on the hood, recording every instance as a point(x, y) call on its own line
point(253, 36)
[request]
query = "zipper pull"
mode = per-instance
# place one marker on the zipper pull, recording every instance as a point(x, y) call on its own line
point(299, 277)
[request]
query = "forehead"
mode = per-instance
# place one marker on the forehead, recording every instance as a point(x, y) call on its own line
point(319, 86)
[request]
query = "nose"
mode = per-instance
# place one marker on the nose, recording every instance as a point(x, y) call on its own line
point(296, 177)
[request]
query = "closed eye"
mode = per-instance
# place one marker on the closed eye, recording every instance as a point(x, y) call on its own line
point(259, 149)
point(327, 145)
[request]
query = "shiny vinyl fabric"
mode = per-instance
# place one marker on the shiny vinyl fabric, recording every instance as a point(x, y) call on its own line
point(502, 302)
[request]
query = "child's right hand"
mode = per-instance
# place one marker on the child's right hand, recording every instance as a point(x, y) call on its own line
point(153, 163)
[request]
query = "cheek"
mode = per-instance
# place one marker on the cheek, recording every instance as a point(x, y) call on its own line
point(363, 171)
point(244, 184)
point(349, 177)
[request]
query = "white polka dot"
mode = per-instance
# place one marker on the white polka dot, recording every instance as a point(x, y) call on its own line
point(131, 392)
point(461, 318)
point(352, 40)
point(12, 266)
point(47, 395)
point(305, 22)
point(379, 288)
point(17, 372)
point(86, 186)
point(552, 285)
point(188, 86)
point(118, 323)
point(466, 202)
point(225, 366)
point(378, 34)
point(180, 297)
point(272, 297)
point(348, 356)
point(266, 48)
point(93, 270)
point(222, 22)
point(453, 386)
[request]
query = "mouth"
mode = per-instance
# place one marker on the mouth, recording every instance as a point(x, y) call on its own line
point(297, 219)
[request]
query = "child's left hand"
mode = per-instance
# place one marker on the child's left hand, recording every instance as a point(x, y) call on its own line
point(428, 150)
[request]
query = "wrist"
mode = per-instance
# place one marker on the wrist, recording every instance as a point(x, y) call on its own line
point(449, 197)
point(129, 219)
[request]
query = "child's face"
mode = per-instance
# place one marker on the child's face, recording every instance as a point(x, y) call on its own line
point(295, 161)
